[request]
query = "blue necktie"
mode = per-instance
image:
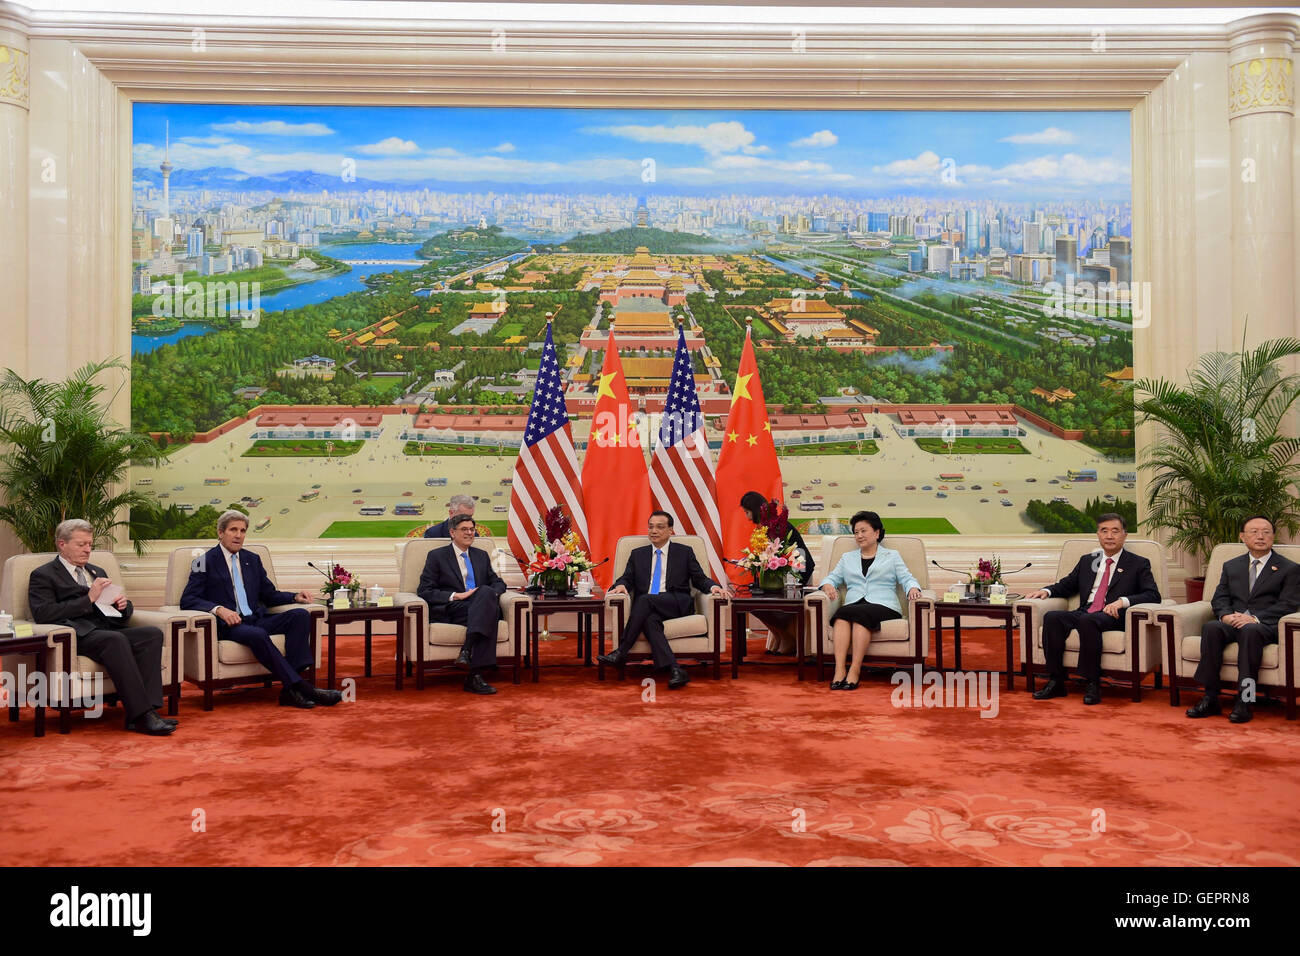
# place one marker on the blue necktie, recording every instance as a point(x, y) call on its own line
point(469, 571)
point(656, 576)
point(238, 580)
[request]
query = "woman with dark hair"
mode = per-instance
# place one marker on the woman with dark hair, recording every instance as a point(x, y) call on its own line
point(782, 628)
point(871, 576)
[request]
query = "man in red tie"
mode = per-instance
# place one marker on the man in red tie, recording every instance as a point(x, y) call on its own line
point(1108, 582)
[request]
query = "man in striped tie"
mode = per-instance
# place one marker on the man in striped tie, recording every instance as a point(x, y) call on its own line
point(659, 577)
point(1108, 582)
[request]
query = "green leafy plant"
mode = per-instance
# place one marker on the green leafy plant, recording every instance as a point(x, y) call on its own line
point(1221, 454)
point(60, 454)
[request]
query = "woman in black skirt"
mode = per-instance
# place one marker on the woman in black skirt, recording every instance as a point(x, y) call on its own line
point(871, 576)
point(782, 628)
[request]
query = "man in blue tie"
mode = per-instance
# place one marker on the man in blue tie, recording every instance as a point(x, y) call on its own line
point(659, 577)
point(231, 584)
point(460, 587)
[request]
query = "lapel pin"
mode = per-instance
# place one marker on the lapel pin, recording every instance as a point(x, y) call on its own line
point(1273, 567)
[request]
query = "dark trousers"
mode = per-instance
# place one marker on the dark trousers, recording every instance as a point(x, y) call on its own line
point(132, 658)
point(1250, 651)
point(478, 614)
point(1056, 627)
point(255, 633)
point(649, 611)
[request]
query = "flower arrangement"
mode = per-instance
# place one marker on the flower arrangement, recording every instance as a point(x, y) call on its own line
point(341, 579)
point(988, 571)
point(558, 552)
point(769, 547)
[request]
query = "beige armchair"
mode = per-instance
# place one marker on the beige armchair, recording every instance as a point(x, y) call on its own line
point(905, 641)
point(13, 598)
point(1178, 628)
point(699, 636)
point(18, 571)
point(214, 664)
point(1128, 653)
point(434, 647)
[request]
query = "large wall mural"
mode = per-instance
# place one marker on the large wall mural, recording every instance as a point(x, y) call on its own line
point(337, 311)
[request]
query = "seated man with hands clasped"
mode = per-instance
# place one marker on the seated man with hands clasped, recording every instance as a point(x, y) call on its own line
point(1255, 590)
point(659, 576)
point(1108, 581)
point(230, 583)
point(460, 587)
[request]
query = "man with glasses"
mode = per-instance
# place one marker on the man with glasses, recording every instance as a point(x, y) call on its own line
point(460, 587)
point(1255, 590)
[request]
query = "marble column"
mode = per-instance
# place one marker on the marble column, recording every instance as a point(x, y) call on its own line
point(1261, 113)
point(15, 102)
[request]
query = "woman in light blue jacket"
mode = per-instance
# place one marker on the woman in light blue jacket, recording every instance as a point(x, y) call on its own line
point(871, 575)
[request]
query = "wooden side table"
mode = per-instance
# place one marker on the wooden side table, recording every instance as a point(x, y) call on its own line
point(369, 615)
point(39, 645)
point(956, 611)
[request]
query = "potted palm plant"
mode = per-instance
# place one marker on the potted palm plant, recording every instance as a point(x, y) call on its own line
point(60, 454)
point(1222, 453)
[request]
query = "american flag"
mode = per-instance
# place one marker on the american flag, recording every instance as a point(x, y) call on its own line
point(546, 471)
point(681, 469)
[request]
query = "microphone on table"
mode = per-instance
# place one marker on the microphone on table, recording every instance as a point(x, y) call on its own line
point(1028, 564)
point(326, 573)
point(953, 570)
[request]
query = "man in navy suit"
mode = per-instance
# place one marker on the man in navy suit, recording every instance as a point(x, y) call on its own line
point(1107, 581)
point(1255, 590)
point(460, 587)
point(456, 505)
point(231, 584)
point(659, 576)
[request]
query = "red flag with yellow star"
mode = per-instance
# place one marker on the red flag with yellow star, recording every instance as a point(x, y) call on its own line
point(747, 461)
point(615, 483)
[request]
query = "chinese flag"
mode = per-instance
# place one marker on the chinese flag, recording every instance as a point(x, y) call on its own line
point(747, 461)
point(615, 483)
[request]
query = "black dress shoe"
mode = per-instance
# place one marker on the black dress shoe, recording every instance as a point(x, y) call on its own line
point(292, 697)
point(1240, 712)
point(130, 724)
point(678, 678)
point(613, 658)
point(1207, 706)
point(850, 685)
point(151, 724)
point(462, 659)
point(1053, 688)
point(475, 684)
point(326, 698)
point(838, 684)
point(1092, 692)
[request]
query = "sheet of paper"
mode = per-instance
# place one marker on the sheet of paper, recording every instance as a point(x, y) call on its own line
point(106, 599)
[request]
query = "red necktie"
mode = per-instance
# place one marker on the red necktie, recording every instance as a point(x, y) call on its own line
point(1099, 601)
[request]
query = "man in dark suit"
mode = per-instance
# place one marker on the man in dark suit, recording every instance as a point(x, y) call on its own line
point(460, 587)
point(231, 584)
point(67, 591)
point(1107, 581)
point(456, 505)
point(659, 576)
point(1255, 590)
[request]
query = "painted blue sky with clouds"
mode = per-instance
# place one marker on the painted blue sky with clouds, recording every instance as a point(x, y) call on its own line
point(1025, 155)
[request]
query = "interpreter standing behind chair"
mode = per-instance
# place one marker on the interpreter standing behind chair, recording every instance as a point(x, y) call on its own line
point(1108, 581)
point(456, 505)
point(230, 583)
point(460, 587)
point(1255, 590)
point(782, 628)
point(659, 576)
point(871, 576)
point(67, 591)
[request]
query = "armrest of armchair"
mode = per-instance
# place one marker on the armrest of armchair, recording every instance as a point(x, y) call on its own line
point(1031, 611)
point(1177, 621)
point(53, 633)
point(161, 619)
point(705, 601)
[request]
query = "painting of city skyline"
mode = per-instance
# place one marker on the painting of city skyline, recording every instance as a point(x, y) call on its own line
point(337, 311)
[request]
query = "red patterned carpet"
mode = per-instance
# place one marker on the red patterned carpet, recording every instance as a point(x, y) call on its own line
point(760, 771)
